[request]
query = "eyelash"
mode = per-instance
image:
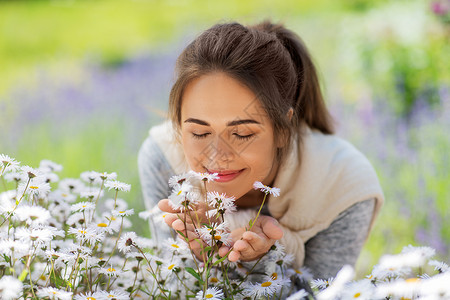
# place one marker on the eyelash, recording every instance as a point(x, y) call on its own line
point(240, 137)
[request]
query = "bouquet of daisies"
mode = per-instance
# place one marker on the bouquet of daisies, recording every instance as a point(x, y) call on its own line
point(69, 239)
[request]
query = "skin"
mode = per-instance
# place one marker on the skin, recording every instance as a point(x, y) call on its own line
point(225, 130)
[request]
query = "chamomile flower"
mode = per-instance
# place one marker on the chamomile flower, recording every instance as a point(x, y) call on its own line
point(360, 290)
point(206, 177)
point(321, 284)
point(218, 232)
point(82, 206)
point(274, 191)
point(220, 203)
point(54, 293)
point(122, 213)
point(32, 215)
point(37, 235)
point(92, 193)
point(117, 204)
point(71, 185)
point(267, 288)
point(104, 227)
point(126, 242)
point(182, 196)
point(88, 296)
point(179, 179)
point(108, 176)
point(36, 187)
point(8, 164)
point(48, 166)
point(173, 245)
point(115, 294)
point(10, 288)
point(18, 247)
point(212, 293)
point(111, 272)
point(170, 266)
point(15, 176)
point(87, 234)
point(117, 186)
point(441, 267)
point(91, 177)
point(300, 295)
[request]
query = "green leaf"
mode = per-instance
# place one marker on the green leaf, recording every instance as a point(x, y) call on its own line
point(182, 234)
point(220, 260)
point(194, 273)
point(250, 223)
point(23, 275)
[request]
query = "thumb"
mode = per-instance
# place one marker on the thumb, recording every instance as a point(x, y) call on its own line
point(273, 229)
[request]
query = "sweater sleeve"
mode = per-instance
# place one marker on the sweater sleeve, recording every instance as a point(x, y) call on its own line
point(340, 244)
point(154, 173)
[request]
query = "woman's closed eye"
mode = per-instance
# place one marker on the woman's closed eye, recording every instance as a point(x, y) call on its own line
point(200, 136)
point(244, 137)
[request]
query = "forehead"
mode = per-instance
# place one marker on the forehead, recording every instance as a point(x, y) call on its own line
point(218, 96)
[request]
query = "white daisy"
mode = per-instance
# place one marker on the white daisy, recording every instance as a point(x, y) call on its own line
point(170, 266)
point(117, 185)
point(126, 242)
point(267, 288)
point(32, 215)
point(321, 284)
point(215, 232)
point(401, 288)
point(111, 272)
point(92, 193)
point(359, 290)
point(83, 206)
point(115, 294)
point(87, 234)
point(61, 196)
point(182, 196)
point(302, 294)
point(10, 288)
point(439, 266)
point(117, 204)
point(265, 189)
point(54, 293)
point(206, 177)
point(7, 202)
point(8, 164)
point(303, 273)
point(36, 187)
point(29, 171)
point(173, 245)
point(20, 248)
point(91, 177)
point(49, 166)
point(71, 185)
point(15, 176)
point(38, 235)
point(88, 296)
point(122, 213)
point(108, 176)
point(104, 227)
point(179, 179)
point(221, 203)
point(212, 293)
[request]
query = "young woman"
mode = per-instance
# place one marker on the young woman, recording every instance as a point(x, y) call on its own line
point(247, 105)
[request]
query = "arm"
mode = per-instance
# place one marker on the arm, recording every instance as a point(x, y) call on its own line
point(341, 242)
point(154, 173)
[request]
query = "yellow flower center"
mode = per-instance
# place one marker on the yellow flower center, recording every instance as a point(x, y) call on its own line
point(214, 279)
point(91, 298)
point(179, 193)
point(266, 284)
point(121, 212)
point(42, 277)
point(175, 246)
point(217, 237)
point(102, 225)
point(111, 270)
point(171, 266)
point(298, 271)
point(82, 231)
point(274, 276)
point(209, 296)
point(33, 187)
point(113, 218)
point(356, 295)
point(412, 280)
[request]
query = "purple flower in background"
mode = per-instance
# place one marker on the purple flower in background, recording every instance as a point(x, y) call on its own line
point(440, 8)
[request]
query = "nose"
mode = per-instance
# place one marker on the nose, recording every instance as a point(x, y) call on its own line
point(222, 153)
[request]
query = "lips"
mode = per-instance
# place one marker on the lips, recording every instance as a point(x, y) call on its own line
point(226, 175)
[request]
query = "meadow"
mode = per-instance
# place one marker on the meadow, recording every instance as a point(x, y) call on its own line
point(82, 82)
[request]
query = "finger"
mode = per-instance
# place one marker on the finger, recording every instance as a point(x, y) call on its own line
point(234, 255)
point(181, 226)
point(241, 246)
point(165, 206)
point(170, 218)
point(257, 242)
point(223, 251)
point(273, 229)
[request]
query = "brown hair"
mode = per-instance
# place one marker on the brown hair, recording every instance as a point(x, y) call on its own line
point(270, 60)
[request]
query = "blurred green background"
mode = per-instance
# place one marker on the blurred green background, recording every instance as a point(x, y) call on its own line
point(81, 82)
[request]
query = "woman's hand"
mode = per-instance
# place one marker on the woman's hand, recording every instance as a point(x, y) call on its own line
point(177, 220)
point(251, 245)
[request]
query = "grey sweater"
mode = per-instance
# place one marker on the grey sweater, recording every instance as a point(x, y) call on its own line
point(325, 253)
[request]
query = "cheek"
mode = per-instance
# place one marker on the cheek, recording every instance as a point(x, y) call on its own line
point(195, 152)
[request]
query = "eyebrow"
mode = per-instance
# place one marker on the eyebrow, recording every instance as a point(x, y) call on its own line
point(231, 123)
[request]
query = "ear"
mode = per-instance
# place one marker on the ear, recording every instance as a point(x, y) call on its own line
point(284, 139)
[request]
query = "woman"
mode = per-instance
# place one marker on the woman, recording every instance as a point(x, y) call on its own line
point(247, 105)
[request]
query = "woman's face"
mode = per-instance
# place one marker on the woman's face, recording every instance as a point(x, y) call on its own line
point(225, 130)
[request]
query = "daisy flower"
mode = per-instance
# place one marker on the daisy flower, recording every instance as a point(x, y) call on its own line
point(206, 177)
point(108, 176)
point(221, 203)
point(71, 185)
point(54, 293)
point(441, 267)
point(302, 294)
point(267, 288)
point(126, 242)
point(117, 185)
point(87, 234)
point(360, 290)
point(20, 248)
point(91, 194)
point(179, 179)
point(38, 235)
point(118, 204)
point(321, 284)
point(212, 293)
point(216, 232)
point(122, 213)
point(32, 215)
point(7, 202)
point(10, 288)
point(115, 294)
point(91, 177)
point(8, 164)
point(48, 166)
point(36, 187)
point(15, 176)
point(88, 296)
point(111, 272)
point(170, 266)
point(174, 245)
point(82, 206)
point(265, 189)
point(182, 196)
point(103, 227)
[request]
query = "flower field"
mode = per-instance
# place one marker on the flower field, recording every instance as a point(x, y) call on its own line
point(386, 74)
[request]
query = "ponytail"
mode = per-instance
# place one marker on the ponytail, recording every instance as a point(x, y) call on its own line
point(308, 103)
